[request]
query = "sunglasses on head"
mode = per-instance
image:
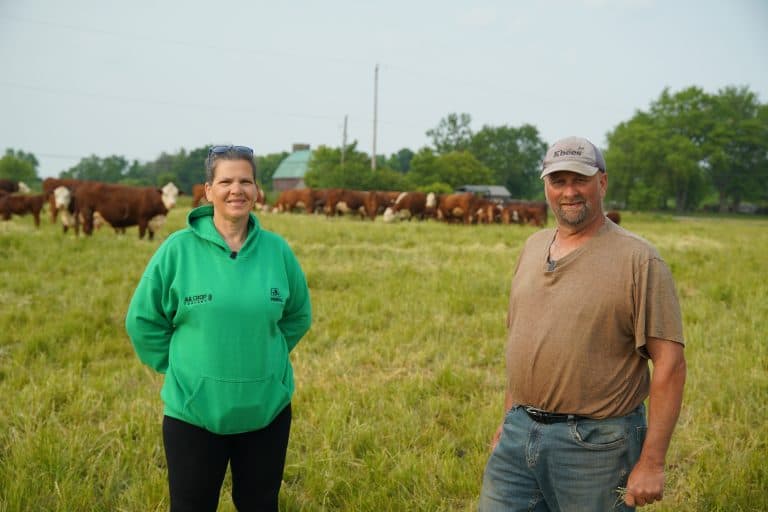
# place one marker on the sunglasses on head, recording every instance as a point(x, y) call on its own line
point(240, 150)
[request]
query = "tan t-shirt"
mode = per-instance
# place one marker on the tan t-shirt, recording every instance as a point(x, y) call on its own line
point(577, 333)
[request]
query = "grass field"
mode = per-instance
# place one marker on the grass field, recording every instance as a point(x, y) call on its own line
point(399, 382)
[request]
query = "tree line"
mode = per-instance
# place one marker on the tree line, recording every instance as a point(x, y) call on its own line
point(688, 150)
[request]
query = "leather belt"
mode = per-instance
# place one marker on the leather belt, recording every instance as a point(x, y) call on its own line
point(540, 416)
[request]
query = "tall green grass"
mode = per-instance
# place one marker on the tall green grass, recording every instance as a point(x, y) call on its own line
point(399, 382)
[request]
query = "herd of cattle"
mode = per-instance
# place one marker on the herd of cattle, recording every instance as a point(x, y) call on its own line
point(91, 204)
point(466, 208)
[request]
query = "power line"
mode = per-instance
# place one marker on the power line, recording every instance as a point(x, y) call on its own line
point(180, 42)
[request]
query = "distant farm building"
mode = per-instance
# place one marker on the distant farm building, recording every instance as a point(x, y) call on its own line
point(495, 193)
point(290, 173)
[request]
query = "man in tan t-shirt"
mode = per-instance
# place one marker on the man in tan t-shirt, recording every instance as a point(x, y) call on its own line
point(590, 305)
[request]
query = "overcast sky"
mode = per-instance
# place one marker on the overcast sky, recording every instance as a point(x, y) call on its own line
point(141, 77)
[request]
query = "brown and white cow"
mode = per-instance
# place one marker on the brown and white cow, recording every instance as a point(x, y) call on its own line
point(513, 212)
point(458, 207)
point(198, 195)
point(535, 213)
point(614, 216)
point(12, 186)
point(296, 198)
point(339, 201)
point(64, 207)
point(49, 185)
point(62, 197)
point(487, 211)
point(377, 202)
point(412, 204)
point(123, 206)
point(17, 204)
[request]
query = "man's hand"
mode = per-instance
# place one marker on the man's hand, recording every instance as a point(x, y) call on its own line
point(645, 485)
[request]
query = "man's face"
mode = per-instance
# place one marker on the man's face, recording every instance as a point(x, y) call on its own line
point(575, 199)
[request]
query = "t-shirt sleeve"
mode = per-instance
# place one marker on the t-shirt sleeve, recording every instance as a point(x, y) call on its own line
point(657, 308)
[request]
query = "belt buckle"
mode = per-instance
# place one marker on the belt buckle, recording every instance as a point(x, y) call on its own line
point(543, 416)
point(537, 414)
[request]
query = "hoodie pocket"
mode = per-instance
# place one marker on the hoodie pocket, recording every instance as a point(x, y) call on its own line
point(232, 406)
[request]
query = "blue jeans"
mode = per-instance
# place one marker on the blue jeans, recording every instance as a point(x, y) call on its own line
point(576, 465)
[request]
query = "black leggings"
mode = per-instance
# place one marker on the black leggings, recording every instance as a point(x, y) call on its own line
point(197, 462)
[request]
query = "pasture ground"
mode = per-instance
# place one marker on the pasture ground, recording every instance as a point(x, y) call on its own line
point(399, 382)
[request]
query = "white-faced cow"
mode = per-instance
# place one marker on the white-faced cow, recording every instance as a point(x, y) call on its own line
point(65, 207)
point(49, 185)
point(412, 204)
point(458, 207)
point(289, 200)
point(339, 201)
point(122, 206)
point(377, 202)
point(12, 186)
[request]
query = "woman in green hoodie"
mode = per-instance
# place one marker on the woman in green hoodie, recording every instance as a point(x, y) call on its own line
point(218, 309)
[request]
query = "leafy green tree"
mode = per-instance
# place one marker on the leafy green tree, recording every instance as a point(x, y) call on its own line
point(635, 148)
point(110, 169)
point(452, 133)
point(186, 169)
point(326, 171)
point(513, 154)
point(400, 161)
point(737, 147)
point(685, 121)
point(19, 166)
point(688, 144)
point(455, 169)
point(662, 149)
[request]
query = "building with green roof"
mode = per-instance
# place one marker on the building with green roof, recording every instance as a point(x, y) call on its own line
point(290, 173)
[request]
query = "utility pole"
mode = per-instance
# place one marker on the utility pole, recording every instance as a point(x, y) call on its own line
point(344, 141)
point(375, 112)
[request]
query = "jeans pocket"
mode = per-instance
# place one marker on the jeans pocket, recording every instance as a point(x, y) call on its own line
point(599, 435)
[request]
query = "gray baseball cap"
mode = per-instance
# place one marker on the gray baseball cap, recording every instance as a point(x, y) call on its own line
point(574, 154)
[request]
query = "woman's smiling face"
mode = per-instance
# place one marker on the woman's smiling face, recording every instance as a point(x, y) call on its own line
point(233, 189)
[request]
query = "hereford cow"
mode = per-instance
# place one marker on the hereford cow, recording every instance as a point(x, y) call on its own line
point(62, 197)
point(260, 200)
point(458, 207)
point(614, 216)
point(289, 200)
point(123, 206)
point(198, 195)
point(14, 204)
point(9, 186)
point(339, 201)
point(12, 186)
point(378, 201)
point(49, 185)
point(487, 211)
point(513, 213)
point(412, 204)
point(62, 202)
point(535, 213)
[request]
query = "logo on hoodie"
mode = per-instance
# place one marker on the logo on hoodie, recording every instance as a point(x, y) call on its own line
point(191, 300)
point(274, 295)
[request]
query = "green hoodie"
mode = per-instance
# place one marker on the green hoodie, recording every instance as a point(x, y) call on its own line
point(220, 325)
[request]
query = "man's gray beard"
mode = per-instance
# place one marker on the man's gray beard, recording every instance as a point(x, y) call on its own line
point(580, 217)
